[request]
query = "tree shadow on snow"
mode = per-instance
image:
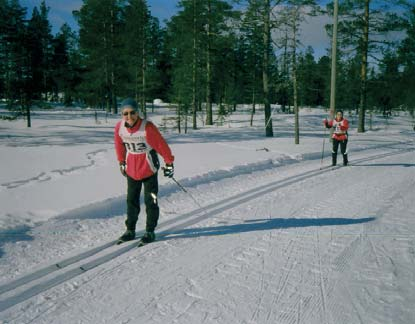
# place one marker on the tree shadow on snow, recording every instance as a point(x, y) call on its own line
point(263, 225)
point(13, 235)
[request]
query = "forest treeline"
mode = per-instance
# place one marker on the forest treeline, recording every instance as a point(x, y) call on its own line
point(210, 52)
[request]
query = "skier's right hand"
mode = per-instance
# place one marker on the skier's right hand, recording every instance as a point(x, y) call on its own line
point(123, 169)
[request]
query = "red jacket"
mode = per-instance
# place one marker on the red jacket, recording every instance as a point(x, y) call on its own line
point(340, 128)
point(134, 145)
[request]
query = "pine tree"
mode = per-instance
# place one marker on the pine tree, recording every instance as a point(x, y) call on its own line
point(136, 36)
point(40, 51)
point(100, 23)
point(13, 54)
point(251, 49)
point(362, 27)
point(215, 15)
point(406, 54)
point(184, 43)
point(310, 85)
point(65, 65)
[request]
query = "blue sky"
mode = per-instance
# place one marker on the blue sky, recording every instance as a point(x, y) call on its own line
point(61, 11)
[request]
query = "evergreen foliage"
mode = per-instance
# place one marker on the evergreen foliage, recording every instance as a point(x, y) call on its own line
point(209, 54)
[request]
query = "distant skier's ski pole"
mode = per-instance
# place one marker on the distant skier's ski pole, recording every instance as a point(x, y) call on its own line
point(270, 117)
point(322, 151)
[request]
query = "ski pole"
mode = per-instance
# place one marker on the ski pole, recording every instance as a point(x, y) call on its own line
point(184, 190)
point(322, 151)
point(270, 117)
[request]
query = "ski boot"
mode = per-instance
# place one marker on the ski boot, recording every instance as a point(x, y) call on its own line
point(129, 235)
point(333, 159)
point(148, 237)
point(345, 160)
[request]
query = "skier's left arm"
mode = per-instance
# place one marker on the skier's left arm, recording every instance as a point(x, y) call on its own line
point(157, 142)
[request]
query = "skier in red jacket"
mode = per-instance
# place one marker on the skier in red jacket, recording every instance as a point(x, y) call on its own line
point(340, 125)
point(137, 142)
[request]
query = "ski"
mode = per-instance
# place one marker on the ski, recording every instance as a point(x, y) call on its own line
point(120, 241)
point(141, 243)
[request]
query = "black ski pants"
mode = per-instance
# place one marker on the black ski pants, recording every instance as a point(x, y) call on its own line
point(343, 149)
point(150, 200)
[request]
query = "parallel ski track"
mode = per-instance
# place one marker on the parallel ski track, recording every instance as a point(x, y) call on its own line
point(177, 223)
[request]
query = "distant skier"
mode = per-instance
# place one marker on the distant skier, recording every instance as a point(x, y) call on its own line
point(137, 142)
point(340, 125)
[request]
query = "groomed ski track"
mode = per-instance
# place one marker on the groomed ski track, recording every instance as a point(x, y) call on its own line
point(302, 251)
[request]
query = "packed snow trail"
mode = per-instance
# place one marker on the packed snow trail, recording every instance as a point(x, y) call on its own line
point(296, 251)
point(193, 217)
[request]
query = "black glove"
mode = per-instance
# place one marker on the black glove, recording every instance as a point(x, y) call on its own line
point(123, 169)
point(168, 170)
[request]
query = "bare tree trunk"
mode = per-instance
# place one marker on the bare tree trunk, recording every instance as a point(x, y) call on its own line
point(113, 92)
point(113, 95)
point(194, 107)
point(179, 116)
point(265, 76)
point(285, 71)
point(107, 73)
point(144, 64)
point(363, 70)
point(294, 76)
point(136, 81)
point(253, 99)
point(209, 114)
point(143, 81)
point(26, 105)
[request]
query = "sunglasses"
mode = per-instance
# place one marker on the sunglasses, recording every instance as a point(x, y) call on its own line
point(126, 113)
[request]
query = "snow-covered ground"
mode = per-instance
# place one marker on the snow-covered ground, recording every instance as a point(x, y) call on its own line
point(264, 234)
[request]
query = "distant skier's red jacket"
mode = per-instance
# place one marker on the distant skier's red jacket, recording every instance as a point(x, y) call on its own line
point(133, 146)
point(340, 128)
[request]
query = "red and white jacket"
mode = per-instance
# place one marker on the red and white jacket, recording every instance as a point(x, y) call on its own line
point(340, 128)
point(134, 145)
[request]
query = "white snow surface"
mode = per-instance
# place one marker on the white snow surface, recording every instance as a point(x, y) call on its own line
point(266, 231)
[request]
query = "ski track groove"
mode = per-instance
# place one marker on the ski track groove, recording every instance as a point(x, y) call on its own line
point(342, 265)
point(322, 285)
point(288, 267)
point(258, 304)
point(292, 316)
point(227, 204)
point(357, 312)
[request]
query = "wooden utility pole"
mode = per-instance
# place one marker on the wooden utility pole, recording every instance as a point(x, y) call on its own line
point(334, 61)
point(363, 70)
